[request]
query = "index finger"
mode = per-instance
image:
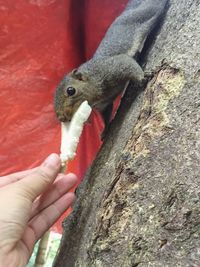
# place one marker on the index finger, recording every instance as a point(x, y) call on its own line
point(14, 177)
point(39, 180)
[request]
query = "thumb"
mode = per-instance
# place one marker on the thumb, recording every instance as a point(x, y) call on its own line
point(39, 180)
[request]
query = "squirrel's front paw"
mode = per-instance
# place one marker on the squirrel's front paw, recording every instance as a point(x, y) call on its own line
point(148, 75)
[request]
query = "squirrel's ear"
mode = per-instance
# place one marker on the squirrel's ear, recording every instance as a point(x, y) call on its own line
point(78, 75)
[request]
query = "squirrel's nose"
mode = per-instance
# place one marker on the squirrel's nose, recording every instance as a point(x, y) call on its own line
point(62, 118)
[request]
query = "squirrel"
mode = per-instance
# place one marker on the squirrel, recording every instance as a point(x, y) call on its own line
point(102, 78)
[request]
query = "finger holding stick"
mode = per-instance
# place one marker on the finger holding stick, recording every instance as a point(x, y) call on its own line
point(70, 135)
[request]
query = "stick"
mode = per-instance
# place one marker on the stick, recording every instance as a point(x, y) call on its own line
point(71, 132)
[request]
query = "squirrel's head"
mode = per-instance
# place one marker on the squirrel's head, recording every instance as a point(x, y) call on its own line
point(75, 88)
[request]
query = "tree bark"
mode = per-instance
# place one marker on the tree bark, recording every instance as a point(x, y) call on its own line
point(139, 202)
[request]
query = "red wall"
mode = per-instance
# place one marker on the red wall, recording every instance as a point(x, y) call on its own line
point(41, 40)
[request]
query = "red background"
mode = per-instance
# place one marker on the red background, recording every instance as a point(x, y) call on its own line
point(41, 40)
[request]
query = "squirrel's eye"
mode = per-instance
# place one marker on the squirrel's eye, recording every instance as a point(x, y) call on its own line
point(70, 91)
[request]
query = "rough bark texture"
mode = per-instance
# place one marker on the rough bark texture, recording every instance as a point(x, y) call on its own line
point(139, 203)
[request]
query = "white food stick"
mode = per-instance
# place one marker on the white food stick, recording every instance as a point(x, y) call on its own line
point(71, 132)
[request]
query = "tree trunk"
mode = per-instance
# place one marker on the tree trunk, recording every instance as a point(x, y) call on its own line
point(139, 202)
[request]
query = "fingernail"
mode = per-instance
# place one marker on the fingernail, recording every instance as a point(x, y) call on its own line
point(52, 160)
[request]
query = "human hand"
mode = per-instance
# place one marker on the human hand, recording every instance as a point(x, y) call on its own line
point(29, 204)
